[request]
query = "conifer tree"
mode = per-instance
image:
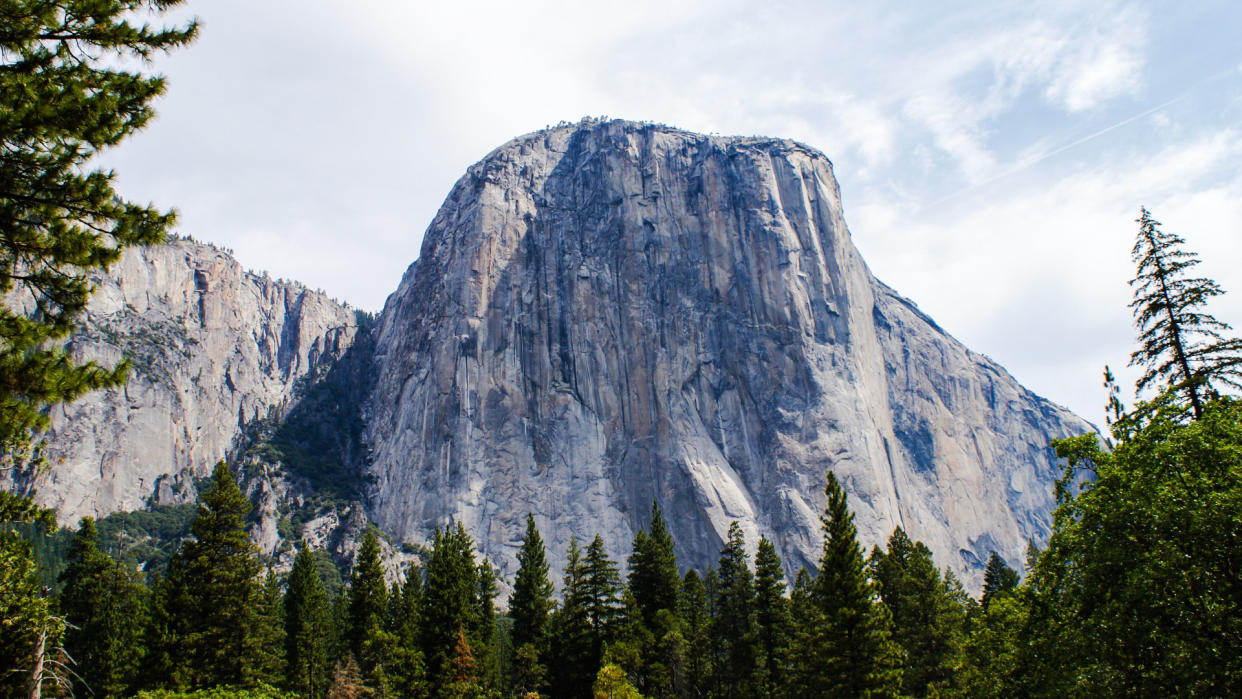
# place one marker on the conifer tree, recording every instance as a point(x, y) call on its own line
point(267, 643)
point(653, 578)
point(1180, 343)
point(998, 577)
point(449, 601)
point(66, 97)
point(212, 606)
point(601, 583)
point(928, 617)
point(530, 607)
point(307, 629)
point(409, 672)
point(853, 650)
point(771, 623)
point(347, 681)
point(803, 671)
point(369, 641)
point(105, 610)
point(573, 643)
point(733, 628)
point(696, 624)
point(463, 681)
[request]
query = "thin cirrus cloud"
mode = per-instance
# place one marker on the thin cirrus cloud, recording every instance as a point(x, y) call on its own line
point(991, 157)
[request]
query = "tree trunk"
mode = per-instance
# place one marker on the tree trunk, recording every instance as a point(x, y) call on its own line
point(36, 672)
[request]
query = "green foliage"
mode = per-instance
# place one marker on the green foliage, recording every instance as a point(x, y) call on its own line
point(853, 654)
point(105, 608)
point(573, 637)
point(1179, 343)
point(611, 683)
point(928, 611)
point(260, 692)
point(772, 623)
point(65, 100)
point(696, 629)
point(1138, 592)
point(998, 577)
point(308, 624)
point(457, 593)
point(366, 634)
point(530, 608)
point(143, 539)
point(25, 612)
point(653, 578)
point(733, 626)
point(210, 607)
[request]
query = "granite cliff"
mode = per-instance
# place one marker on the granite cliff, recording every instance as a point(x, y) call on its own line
point(610, 314)
point(214, 351)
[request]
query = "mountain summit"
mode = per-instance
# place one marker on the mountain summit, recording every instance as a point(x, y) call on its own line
point(611, 314)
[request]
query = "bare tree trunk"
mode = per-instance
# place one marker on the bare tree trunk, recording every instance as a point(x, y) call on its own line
point(36, 673)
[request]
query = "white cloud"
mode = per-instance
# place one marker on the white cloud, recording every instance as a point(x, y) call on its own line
point(1095, 74)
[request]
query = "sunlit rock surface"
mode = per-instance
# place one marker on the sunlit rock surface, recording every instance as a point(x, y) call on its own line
point(608, 314)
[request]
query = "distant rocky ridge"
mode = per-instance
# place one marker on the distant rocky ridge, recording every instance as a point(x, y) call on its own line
point(603, 315)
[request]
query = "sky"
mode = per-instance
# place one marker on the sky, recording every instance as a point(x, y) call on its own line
point(992, 156)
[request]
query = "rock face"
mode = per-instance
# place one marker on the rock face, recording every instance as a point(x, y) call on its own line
point(612, 314)
point(214, 348)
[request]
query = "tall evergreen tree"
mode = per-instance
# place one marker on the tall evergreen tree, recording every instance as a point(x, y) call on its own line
point(602, 588)
point(66, 96)
point(307, 629)
point(449, 601)
point(653, 578)
point(772, 623)
point(530, 608)
point(369, 640)
point(105, 610)
point(928, 617)
point(733, 628)
point(267, 643)
point(408, 672)
point(803, 671)
point(573, 643)
point(853, 649)
point(212, 606)
point(998, 577)
point(1180, 343)
point(696, 620)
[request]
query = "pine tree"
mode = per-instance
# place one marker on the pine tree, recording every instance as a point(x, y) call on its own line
point(267, 642)
point(573, 643)
point(369, 641)
point(26, 617)
point(771, 622)
point(928, 616)
point(1179, 342)
point(803, 680)
point(653, 577)
point(601, 584)
point(733, 628)
point(347, 681)
point(65, 98)
point(409, 672)
point(212, 604)
point(449, 601)
point(307, 629)
point(463, 681)
point(998, 577)
point(696, 621)
point(530, 607)
point(853, 649)
point(105, 610)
